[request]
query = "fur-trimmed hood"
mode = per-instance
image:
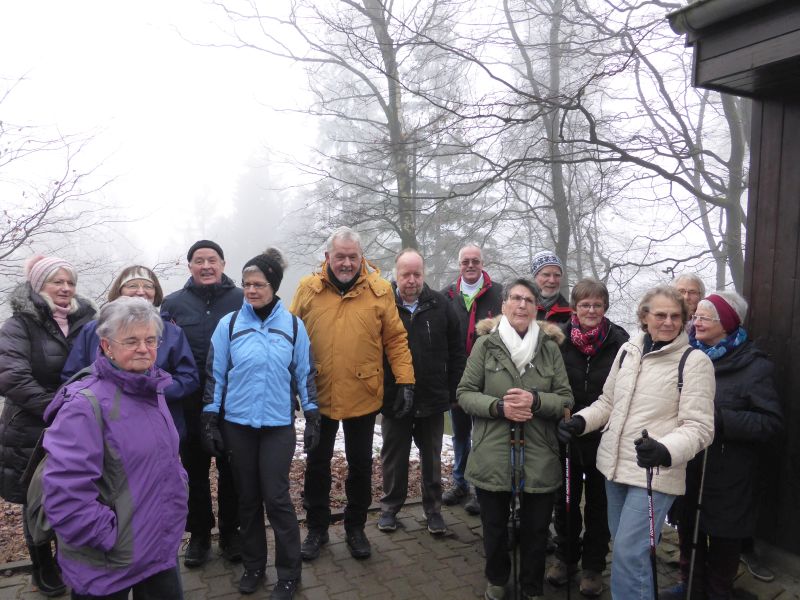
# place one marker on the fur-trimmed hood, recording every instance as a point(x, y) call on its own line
point(551, 330)
point(24, 301)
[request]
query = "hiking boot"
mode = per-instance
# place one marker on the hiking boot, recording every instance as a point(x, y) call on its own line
point(313, 542)
point(677, 592)
point(231, 546)
point(495, 592)
point(358, 543)
point(472, 506)
point(284, 589)
point(591, 583)
point(436, 524)
point(455, 495)
point(557, 574)
point(251, 580)
point(197, 552)
point(45, 573)
point(756, 568)
point(387, 521)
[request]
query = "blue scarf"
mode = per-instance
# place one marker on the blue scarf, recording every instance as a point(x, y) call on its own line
point(721, 348)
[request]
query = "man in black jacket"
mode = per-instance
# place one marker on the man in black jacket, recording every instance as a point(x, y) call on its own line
point(474, 296)
point(206, 297)
point(437, 351)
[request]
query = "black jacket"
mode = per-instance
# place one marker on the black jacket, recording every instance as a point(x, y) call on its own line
point(437, 351)
point(560, 312)
point(197, 309)
point(33, 351)
point(747, 415)
point(587, 375)
point(487, 305)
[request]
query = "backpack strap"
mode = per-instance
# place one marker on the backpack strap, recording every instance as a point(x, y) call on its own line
point(622, 356)
point(681, 365)
point(294, 330)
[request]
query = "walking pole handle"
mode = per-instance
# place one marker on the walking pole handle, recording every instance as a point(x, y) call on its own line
point(645, 434)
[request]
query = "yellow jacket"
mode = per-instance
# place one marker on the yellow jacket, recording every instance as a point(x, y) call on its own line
point(349, 335)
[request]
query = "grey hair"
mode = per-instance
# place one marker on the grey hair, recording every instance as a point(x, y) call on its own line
point(736, 302)
point(125, 312)
point(470, 245)
point(346, 234)
point(667, 291)
point(695, 279)
point(533, 288)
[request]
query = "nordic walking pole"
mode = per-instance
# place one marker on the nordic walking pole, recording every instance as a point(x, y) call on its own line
point(696, 525)
point(567, 502)
point(652, 515)
point(517, 483)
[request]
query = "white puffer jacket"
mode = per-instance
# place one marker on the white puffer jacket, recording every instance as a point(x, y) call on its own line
point(643, 394)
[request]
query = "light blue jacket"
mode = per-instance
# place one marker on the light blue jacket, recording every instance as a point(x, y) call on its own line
point(257, 369)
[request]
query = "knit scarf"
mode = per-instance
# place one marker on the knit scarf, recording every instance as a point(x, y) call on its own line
point(522, 349)
point(588, 341)
point(60, 316)
point(721, 348)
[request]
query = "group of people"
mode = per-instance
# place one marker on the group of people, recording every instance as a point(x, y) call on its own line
point(221, 371)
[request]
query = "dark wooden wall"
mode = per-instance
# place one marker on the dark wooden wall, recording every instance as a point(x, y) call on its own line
point(772, 284)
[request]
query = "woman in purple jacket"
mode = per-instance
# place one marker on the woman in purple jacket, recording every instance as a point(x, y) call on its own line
point(174, 354)
point(117, 500)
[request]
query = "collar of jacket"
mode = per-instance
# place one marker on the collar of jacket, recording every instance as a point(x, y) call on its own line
point(426, 298)
point(250, 312)
point(215, 289)
point(676, 345)
point(455, 290)
point(369, 276)
point(148, 384)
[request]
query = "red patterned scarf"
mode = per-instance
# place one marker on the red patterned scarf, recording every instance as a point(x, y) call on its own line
point(588, 341)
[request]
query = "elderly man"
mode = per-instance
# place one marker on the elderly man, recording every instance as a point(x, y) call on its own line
point(206, 297)
point(547, 271)
point(434, 337)
point(351, 319)
point(692, 288)
point(474, 297)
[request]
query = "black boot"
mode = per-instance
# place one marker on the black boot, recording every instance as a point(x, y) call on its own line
point(45, 574)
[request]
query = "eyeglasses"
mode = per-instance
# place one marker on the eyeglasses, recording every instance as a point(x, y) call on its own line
point(470, 261)
point(660, 317)
point(517, 299)
point(61, 282)
point(133, 343)
point(703, 319)
point(258, 286)
point(132, 287)
point(590, 306)
point(692, 293)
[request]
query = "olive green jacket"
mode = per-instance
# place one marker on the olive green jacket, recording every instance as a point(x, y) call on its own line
point(489, 374)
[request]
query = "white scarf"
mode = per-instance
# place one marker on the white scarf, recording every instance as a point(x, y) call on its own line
point(522, 349)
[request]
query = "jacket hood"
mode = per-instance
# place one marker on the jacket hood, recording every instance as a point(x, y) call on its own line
point(551, 330)
point(24, 301)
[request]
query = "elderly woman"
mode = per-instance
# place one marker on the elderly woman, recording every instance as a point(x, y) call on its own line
point(260, 359)
point(117, 500)
point(174, 354)
point(590, 348)
point(515, 380)
point(657, 383)
point(747, 415)
point(46, 318)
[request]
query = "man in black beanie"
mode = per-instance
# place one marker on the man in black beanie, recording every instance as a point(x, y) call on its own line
point(206, 297)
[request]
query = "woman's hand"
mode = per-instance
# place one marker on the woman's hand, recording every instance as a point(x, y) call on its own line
point(518, 405)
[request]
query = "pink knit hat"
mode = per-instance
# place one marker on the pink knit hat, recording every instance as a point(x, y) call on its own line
point(38, 268)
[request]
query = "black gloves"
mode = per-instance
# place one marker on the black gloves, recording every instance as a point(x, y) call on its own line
point(311, 432)
point(211, 438)
point(650, 453)
point(404, 400)
point(569, 428)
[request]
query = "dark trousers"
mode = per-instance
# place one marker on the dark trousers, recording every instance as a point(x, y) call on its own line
point(165, 585)
point(462, 442)
point(197, 464)
point(260, 460)
point(594, 548)
point(534, 514)
point(397, 435)
point(358, 433)
point(716, 562)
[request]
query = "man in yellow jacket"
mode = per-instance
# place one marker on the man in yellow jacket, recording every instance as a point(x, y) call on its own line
point(350, 314)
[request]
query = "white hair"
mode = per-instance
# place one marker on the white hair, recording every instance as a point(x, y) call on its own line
point(478, 248)
point(343, 233)
point(695, 279)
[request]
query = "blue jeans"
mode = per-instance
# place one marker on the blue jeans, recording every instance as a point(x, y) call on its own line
point(629, 522)
point(462, 442)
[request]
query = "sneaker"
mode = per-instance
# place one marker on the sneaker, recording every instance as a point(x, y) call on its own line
point(756, 569)
point(251, 580)
point(284, 589)
point(313, 542)
point(231, 546)
point(387, 521)
point(472, 506)
point(495, 592)
point(454, 495)
point(197, 552)
point(436, 524)
point(358, 543)
point(557, 574)
point(591, 583)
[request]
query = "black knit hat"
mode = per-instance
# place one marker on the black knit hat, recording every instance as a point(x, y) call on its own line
point(204, 244)
point(269, 267)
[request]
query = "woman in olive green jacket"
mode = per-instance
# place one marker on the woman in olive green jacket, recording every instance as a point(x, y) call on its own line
point(515, 376)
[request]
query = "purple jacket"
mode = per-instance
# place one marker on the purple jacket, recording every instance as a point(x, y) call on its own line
point(116, 497)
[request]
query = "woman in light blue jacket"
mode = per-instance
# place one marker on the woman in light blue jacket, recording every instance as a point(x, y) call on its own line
point(258, 365)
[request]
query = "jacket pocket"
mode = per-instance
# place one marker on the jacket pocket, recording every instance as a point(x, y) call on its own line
point(371, 375)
